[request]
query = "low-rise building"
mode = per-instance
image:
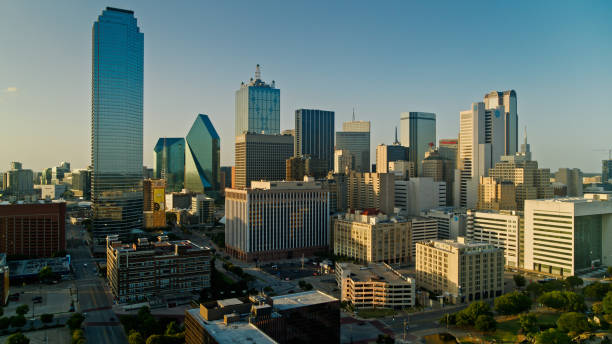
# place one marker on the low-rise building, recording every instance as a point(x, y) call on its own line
point(419, 194)
point(51, 191)
point(147, 269)
point(461, 271)
point(375, 285)
point(451, 221)
point(504, 229)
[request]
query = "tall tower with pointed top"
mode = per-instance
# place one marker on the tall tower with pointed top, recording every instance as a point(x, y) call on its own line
point(257, 107)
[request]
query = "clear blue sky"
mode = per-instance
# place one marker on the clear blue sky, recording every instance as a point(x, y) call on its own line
point(382, 58)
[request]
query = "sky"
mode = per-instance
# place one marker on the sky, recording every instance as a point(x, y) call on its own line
point(381, 58)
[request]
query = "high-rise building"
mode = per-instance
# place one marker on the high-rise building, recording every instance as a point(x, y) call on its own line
point(572, 178)
point(314, 135)
point(154, 191)
point(507, 99)
point(202, 157)
point(81, 183)
point(17, 181)
point(116, 124)
point(225, 176)
point(402, 169)
point(46, 176)
point(461, 270)
point(169, 162)
point(504, 229)
point(566, 236)
point(606, 170)
point(498, 194)
point(386, 154)
point(418, 133)
point(343, 161)
point(257, 107)
point(203, 208)
point(33, 230)
point(297, 224)
point(355, 137)
point(297, 167)
point(261, 157)
point(423, 229)
point(419, 194)
point(337, 186)
point(370, 236)
point(451, 221)
point(447, 149)
point(58, 172)
point(371, 191)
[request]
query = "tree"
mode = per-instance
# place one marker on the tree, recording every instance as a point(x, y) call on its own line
point(78, 337)
point(519, 280)
point(17, 338)
point(574, 282)
point(574, 302)
point(46, 318)
point(597, 308)
point(552, 336)
point(4, 322)
point(22, 310)
point(156, 339)
point(46, 274)
point(485, 323)
point(18, 321)
point(596, 291)
point(607, 303)
point(384, 339)
point(173, 328)
point(573, 323)
point(609, 270)
point(135, 338)
point(529, 323)
point(75, 321)
point(468, 316)
point(512, 303)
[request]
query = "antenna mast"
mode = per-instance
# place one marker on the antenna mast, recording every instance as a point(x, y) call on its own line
point(257, 72)
point(353, 114)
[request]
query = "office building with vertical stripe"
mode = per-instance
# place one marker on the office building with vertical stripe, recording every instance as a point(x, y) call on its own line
point(277, 220)
point(355, 138)
point(504, 229)
point(418, 133)
point(314, 135)
point(261, 157)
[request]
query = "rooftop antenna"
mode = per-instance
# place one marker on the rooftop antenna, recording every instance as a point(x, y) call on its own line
point(396, 142)
point(353, 114)
point(257, 72)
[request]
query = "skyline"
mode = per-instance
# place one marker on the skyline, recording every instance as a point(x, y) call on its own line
point(358, 61)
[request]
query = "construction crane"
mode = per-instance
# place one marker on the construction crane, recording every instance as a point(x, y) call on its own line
point(605, 150)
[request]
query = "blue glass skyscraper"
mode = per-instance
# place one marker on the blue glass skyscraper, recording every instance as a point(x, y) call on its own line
point(257, 107)
point(116, 123)
point(314, 135)
point(169, 162)
point(202, 157)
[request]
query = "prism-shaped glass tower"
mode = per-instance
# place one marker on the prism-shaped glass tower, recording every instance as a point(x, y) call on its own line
point(202, 157)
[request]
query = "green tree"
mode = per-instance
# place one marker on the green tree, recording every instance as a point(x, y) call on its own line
point(18, 321)
point(46, 318)
point(573, 323)
point(135, 338)
point(485, 323)
point(4, 322)
point(609, 270)
point(596, 291)
point(574, 282)
point(529, 323)
point(607, 303)
point(553, 299)
point(519, 280)
point(468, 316)
point(552, 336)
point(75, 321)
point(173, 328)
point(597, 308)
point(46, 274)
point(574, 302)
point(17, 338)
point(512, 303)
point(22, 310)
point(156, 339)
point(78, 337)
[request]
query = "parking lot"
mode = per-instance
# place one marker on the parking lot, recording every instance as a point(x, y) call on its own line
point(291, 271)
point(41, 298)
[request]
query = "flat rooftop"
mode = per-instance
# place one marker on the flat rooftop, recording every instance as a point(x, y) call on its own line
point(236, 332)
point(307, 298)
point(31, 267)
point(376, 272)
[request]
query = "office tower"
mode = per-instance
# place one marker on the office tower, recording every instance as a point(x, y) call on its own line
point(154, 191)
point(419, 194)
point(606, 170)
point(202, 157)
point(402, 169)
point(169, 162)
point(385, 154)
point(203, 208)
point(448, 149)
point(433, 166)
point(572, 178)
point(513, 180)
point(257, 107)
point(46, 176)
point(504, 229)
point(297, 224)
point(17, 181)
point(566, 236)
point(337, 186)
point(359, 283)
point(225, 176)
point(423, 229)
point(178, 200)
point(297, 167)
point(314, 135)
point(507, 99)
point(156, 268)
point(58, 172)
point(33, 230)
point(481, 144)
point(461, 270)
point(116, 124)
point(305, 317)
point(343, 161)
point(418, 130)
point(355, 137)
point(81, 183)
point(147, 172)
point(451, 222)
point(261, 157)
point(371, 191)
point(370, 236)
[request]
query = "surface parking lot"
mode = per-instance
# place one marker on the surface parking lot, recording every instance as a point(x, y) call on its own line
point(291, 271)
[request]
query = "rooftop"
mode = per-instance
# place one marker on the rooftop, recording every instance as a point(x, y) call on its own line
point(235, 332)
point(307, 298)
point(161, 246)
point(31, 267)
point(375, 272)
point(460, 243)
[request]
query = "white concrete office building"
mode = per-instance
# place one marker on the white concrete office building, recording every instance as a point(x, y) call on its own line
point(500, 228)
point(451, 223)
point(419, 194)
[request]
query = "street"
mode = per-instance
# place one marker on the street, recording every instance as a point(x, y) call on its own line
point(101, 325)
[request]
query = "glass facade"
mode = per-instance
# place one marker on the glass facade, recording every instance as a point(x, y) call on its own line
point(202, 157)
point(418, 132)
point(169, 162)
point(116, 123)
point(587, 241)
point(314, 135)
point(258, 107)
point(358, 144)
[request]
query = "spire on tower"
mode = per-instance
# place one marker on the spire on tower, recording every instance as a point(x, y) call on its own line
point(396, 142)
point(257, 72)
point(353, 114)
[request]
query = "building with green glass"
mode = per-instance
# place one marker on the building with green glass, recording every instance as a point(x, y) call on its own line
point(169, 162)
